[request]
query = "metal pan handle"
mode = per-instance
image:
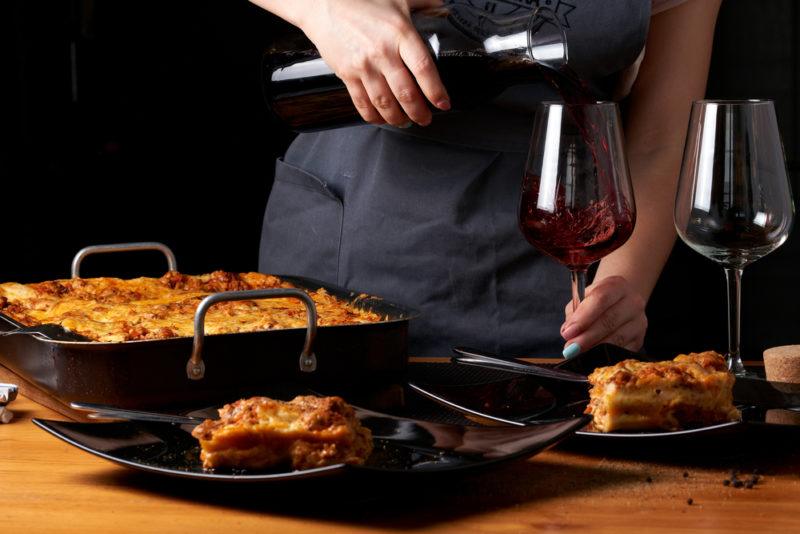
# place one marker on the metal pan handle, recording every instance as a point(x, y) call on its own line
point(122, 247)
point(196, 368)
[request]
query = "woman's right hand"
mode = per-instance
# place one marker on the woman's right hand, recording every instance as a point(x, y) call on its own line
point(373, 47)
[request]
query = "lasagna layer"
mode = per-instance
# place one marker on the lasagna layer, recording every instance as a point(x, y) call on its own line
point(115, 310)
point(305, 433)
point(693, 389)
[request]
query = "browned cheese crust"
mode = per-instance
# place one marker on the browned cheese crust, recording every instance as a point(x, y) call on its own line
point(114, 310)
point(306, 432)
point(693, 389)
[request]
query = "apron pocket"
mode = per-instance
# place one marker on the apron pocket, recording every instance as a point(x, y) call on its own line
point(302, 226)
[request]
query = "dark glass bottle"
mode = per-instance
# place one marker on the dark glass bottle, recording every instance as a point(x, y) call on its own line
point(478, 56)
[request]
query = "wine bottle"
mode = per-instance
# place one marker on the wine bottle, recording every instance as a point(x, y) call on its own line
point(478, 55)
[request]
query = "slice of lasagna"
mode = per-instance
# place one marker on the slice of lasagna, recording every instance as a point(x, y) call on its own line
point(305, 432)
point(692, 390)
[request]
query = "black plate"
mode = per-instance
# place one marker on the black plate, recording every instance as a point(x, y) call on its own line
point(401, 446)
point(491, 401)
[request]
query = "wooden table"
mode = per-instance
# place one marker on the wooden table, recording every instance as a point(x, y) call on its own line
point(50, 486)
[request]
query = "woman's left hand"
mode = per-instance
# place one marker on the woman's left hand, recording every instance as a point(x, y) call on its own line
point(612, 312)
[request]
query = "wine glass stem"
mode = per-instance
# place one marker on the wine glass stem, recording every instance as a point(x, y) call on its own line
point(578, 287)
point(734, 278)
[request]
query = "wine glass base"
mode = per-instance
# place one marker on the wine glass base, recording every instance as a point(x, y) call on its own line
point(738, 369)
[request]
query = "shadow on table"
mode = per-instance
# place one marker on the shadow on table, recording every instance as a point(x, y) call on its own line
point(388, 502)
point(762, 447)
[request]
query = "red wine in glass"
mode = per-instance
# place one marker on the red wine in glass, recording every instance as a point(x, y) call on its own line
point(576, 203)
point(576, 237)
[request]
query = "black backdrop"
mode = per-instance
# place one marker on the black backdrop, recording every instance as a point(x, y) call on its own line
point(126, 120)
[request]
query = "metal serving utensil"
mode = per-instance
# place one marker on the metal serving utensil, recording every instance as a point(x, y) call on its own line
point(570, 410)
point(103, 411)
point(477, 358)
point(50, 331)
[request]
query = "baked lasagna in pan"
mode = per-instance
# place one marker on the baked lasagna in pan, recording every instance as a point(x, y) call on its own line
point(692, 390)
point(116, 310)
point(306, 432)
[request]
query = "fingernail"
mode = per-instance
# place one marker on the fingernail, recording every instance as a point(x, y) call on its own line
point(569, 332)
point(406, 125)
point(572, 350)
point(443, 105)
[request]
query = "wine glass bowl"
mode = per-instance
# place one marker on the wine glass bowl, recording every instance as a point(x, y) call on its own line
point(734, 203)
point(576, 202)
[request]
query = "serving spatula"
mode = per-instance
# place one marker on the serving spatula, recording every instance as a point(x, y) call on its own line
point(477, 358)
point(103, 411)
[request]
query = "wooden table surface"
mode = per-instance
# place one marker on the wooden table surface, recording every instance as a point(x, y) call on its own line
point(49, 486)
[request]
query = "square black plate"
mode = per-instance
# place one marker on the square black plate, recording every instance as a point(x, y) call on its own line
point(402, 446)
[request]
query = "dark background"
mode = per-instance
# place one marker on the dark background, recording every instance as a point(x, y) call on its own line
point(126, 120)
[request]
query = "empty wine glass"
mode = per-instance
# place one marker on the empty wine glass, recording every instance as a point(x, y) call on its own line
point(734, 204)
point(577, 201)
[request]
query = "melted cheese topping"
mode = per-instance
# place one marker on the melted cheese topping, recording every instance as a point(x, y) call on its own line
point(693, 389)
point(115, 310)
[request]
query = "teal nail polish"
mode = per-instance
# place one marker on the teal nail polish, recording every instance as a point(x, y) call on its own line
point(572, 350)
point(409, 124)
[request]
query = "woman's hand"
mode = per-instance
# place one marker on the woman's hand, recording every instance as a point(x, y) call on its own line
point(373, 47)
point(612, 312)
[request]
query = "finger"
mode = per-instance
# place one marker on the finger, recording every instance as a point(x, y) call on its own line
point(616, 321)
point(418, 60)
point(362, 102)
point(569, 309)
point(408, 95)
point(628, 336)
point(603, 296)
point(380, 94)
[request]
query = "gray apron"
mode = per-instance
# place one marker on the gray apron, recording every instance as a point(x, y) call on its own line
point(427, 217)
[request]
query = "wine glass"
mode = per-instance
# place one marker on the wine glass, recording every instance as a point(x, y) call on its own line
point(734, 204)
point(577, 201)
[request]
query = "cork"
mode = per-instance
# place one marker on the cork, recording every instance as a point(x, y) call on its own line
point(782, 417)
point(782, 364)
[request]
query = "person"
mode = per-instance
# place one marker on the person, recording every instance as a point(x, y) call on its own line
point(422, 210)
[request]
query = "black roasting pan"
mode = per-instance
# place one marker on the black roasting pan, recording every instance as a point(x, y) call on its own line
point(153, 373)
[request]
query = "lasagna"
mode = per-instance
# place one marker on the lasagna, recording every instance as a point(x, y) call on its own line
point(304, 433)
point(692, 390)
point(116, 310)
